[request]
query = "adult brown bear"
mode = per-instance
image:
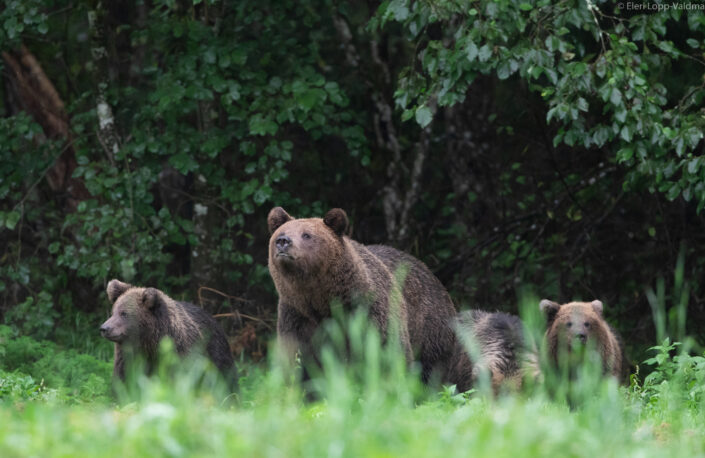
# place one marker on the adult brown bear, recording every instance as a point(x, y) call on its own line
point(141, 317)
point(313, 263)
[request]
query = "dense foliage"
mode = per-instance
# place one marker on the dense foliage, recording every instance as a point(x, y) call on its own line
point(551, 147)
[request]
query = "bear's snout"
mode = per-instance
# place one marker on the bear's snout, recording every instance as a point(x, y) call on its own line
point(109, 332)
point(283, 243)
point(105, 331)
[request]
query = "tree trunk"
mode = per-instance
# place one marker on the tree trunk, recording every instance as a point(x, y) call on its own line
point(37, 96)
point(403, 182)
point(107, 134)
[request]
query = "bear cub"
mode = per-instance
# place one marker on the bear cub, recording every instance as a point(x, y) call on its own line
point(583, 323)
point(141, 317)
point(313, 263)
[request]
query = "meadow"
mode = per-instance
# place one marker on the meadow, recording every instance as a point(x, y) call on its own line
point(552, 148)
point(60, 402)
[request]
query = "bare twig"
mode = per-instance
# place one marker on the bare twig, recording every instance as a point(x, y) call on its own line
point(220, 293)
point(242, 315)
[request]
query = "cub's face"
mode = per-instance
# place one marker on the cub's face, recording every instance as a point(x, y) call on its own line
point(130, 306)
point(573, 323)
point(122, 324)
point(304, 246)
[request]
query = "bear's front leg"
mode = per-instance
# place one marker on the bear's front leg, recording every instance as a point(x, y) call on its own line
point(294, 333)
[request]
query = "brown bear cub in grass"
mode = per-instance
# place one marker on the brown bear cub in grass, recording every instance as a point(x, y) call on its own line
point(142, 317)
point(583, 322)
point(313, 263)
point(496, 344)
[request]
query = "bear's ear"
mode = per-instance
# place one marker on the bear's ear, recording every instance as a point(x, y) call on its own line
point(277, 217)
point(115, 289)
point(550, 309)
point(150, 298)
point(337, 220)
point(597, 306)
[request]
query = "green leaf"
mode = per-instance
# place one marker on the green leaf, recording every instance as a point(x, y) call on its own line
point(260, 125)
point(399, 10)
point(262, 194)
point(526, 6)
point(626, 133)
point(673, 192)
point(582, 104)
point(693, 165)
point(485, 53)
point(183, 162)
point(620, 115)
point(423, 116)
point(504, 70)
point(601, 136)
point(407, 114)
point(625, 154)
point(11, 219)
point(693, 135)
point(471, 51)
point(310, 98)
point(667, 46)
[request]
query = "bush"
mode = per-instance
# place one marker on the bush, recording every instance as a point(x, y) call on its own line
point(73, 376)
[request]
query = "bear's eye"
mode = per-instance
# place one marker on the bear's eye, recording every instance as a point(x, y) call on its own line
point(587, 324)
point(569, 324)
point(123, 314)
point(305, 236)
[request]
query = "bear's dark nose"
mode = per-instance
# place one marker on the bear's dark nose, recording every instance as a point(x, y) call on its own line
point(582, 337)
point(283, 242)
point(104, 330)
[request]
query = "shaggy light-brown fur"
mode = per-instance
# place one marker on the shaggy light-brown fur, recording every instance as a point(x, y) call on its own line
point(141, 317)
point(583, 322)
point(496, 344)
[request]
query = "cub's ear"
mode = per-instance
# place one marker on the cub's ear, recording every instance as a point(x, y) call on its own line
point(116, 288)
point(337, 220)
point(150, 298)
point(550, 309)
point(597, 306)
point(277, 217)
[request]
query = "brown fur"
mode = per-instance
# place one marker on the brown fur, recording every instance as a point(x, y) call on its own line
point(313, 262)
point(141, 317)
point(496, 344)
point(584, 321)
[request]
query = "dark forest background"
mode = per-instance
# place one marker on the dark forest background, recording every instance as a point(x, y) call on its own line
point(544, 147)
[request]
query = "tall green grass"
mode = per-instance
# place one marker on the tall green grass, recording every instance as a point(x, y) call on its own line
point(368, 403)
